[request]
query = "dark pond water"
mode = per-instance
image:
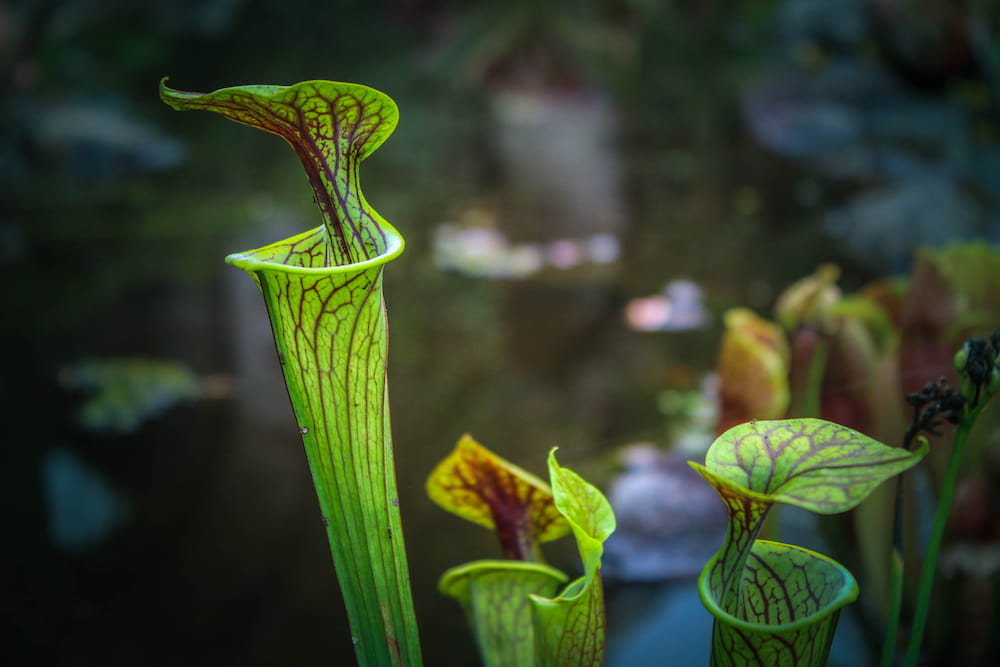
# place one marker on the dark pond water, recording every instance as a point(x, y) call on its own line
point(582, 198)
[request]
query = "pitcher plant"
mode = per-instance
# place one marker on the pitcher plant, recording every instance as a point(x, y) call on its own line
point(323, 292)
point(778, 604)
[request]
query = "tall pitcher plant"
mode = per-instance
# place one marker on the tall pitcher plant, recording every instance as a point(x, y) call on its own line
point(323, 292)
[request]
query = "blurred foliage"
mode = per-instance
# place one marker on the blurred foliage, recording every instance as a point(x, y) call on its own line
point(124, 393)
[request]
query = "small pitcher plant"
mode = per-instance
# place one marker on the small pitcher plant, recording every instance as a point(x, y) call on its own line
point(508, 602)
point(778, 604)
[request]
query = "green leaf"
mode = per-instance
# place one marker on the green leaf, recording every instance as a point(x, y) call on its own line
point(814, 464)
point(332, 126)
point(586, 509)
point(483, 488)
point(323, 292)
point(570, 629)
point(494, 595)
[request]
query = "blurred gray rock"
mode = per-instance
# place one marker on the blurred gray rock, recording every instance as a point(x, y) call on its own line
point(670, 521)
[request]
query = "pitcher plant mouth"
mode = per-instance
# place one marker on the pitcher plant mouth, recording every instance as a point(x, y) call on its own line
point(269, 257)
point(847, 592)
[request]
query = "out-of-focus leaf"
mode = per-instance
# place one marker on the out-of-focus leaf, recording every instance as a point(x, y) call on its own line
point(125, 393)
point(480, 486)
point(955, 291)
point(752, 369)
point(810, 300)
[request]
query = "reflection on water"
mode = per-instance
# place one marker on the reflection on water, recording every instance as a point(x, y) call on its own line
point(677, 308)
point(572, 236)
point(485, 252)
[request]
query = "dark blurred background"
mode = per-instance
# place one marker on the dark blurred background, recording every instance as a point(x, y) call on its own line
point(584, 188)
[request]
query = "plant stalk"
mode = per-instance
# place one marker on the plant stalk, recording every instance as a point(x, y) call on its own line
point(934, 544)
point(895, 604)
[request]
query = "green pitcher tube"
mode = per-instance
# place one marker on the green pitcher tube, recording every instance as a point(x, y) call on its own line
point(329, 327)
